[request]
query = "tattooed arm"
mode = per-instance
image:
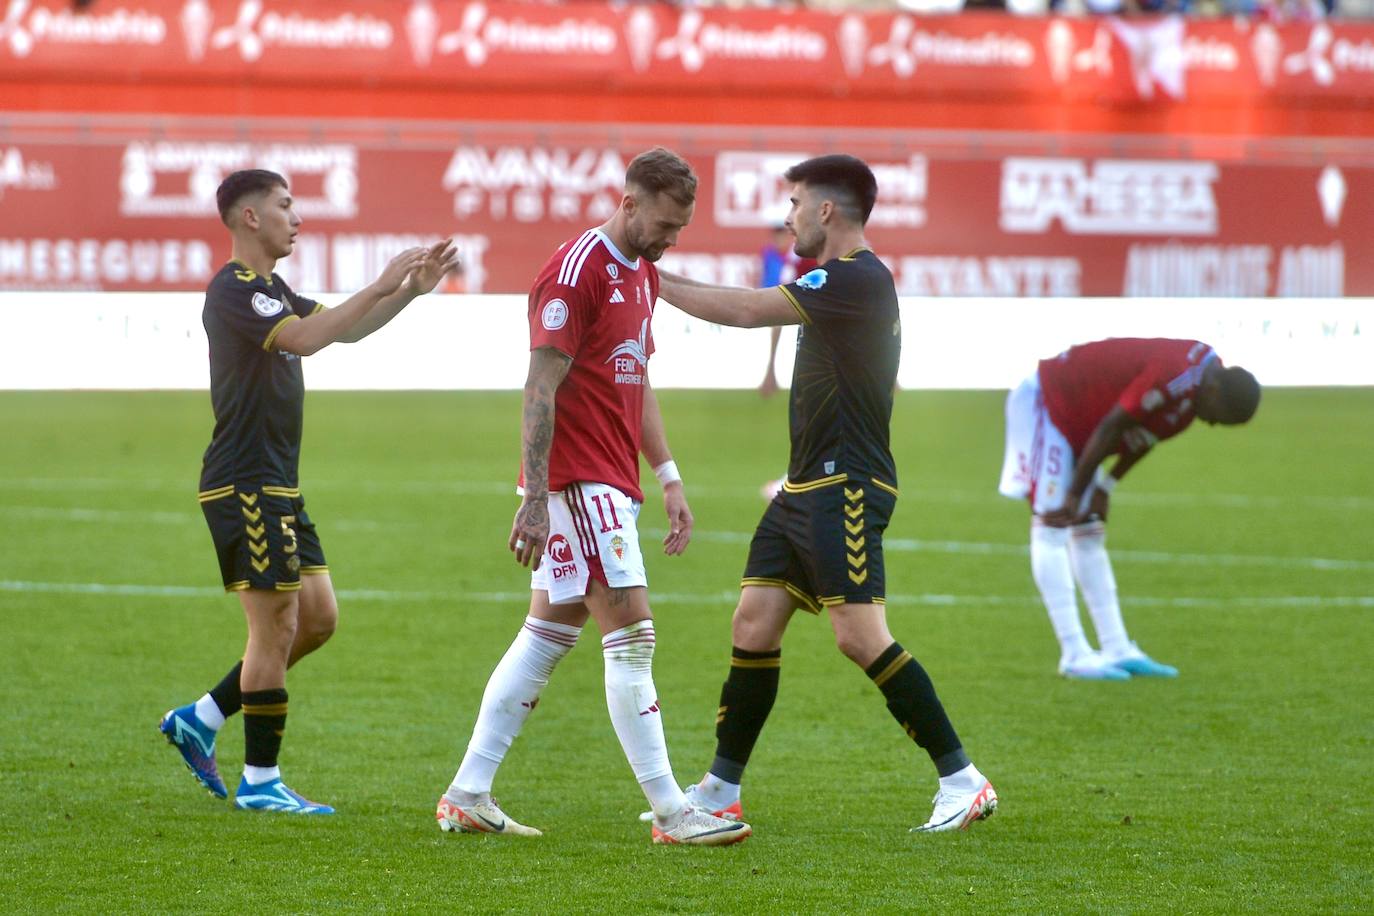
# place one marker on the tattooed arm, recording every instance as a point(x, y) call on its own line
point(548, 368)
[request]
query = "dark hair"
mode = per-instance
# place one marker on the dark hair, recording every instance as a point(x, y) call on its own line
point(848, 181)
point(662, 171)
point(1240, 394)
point(242, 183)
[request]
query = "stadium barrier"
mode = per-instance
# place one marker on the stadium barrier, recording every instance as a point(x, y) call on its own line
point(457, 342)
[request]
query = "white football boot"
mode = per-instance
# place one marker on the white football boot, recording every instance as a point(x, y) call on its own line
point(482, 816)
point(1091, 667)
point(958, 809)
point(698, 827)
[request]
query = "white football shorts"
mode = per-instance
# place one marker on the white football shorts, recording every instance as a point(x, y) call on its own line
point(1038, 463)
point(592, 535)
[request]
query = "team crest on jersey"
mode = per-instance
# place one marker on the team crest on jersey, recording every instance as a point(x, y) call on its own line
point(616, 296)
point(265, 305)
point(618, 547)
point(613, 269)
point(555, 314)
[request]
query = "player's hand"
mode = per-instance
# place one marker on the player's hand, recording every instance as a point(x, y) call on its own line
point(530, 532)
point(679, 519)
point(1059, 518)
point(396, 271)
point(1097, 507)
point(440, 259)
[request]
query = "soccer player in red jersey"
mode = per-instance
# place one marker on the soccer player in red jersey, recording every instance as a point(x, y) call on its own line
point(1116, 397)
point(589, 412)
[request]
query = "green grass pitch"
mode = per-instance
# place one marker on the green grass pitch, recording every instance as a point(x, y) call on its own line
point(1243, 555)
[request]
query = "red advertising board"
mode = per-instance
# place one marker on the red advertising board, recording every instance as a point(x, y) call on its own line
point(595, 47)
point(138, 212)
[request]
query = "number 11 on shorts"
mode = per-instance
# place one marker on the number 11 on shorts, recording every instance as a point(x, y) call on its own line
point(602, 510)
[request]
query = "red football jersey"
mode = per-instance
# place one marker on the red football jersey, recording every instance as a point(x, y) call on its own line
point(596, 305)
point(1155, 380)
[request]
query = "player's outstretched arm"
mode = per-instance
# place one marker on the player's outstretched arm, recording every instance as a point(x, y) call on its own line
point(440, 259)
point(530, 530)
point(312, 334)
point(654, 447)
point(728, 305)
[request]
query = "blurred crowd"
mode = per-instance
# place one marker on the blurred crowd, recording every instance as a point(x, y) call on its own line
point(1276, 10)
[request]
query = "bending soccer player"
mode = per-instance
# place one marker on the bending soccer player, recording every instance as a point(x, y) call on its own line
point(1115, 397)
point(589, 411)
point(269, 552)
point(819, 544)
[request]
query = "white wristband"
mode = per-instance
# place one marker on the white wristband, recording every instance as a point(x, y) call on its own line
point(667, 473)
point(1103, 480)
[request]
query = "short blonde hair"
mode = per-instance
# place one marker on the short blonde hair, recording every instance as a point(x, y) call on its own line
point(662, 171)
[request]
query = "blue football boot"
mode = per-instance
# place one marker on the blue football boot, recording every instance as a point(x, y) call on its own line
point(273, 795)
point(184, 731)
point(1135, 662)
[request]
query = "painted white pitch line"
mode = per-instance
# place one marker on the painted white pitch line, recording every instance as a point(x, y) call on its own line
point(912, 545)
point(507, 488)
point(891, 545)
point(724, 598)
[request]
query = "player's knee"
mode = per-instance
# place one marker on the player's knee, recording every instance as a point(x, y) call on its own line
point(319, 627)
point(752, 631)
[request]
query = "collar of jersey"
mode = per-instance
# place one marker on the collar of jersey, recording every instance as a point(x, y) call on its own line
point(250, 270)
point(856, 251)
point(615, 252)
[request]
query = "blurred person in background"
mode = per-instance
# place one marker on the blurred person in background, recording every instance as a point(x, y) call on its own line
point(1117, 397)
point(269, 551)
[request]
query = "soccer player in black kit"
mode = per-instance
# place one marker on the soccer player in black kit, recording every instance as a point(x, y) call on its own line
point(819, 544)
point(269, 553)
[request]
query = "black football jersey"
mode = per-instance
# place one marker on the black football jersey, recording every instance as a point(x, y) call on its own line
point(848, 349)
point(257, 391)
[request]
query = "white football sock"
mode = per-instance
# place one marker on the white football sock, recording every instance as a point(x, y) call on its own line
point(968, 778)
point(716, 792)
point(633, 704)
point(1049, 550)
point(1093, 570)
point(207, 711)
point(512, 693)
point(256, 776)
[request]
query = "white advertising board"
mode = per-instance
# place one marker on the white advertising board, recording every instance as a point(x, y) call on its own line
point(155, 341)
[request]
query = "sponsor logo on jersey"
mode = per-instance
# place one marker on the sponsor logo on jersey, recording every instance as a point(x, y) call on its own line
point(555, 314)
point(631, 357)
point(560, 551)
point(618, 547)
point(813, 280)
point(616, 296)
point(265, 305)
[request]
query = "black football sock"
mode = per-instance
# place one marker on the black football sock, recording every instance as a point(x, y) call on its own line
point(745, 702)
point(912, 701)
point(264, 721)
point(227, 694)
